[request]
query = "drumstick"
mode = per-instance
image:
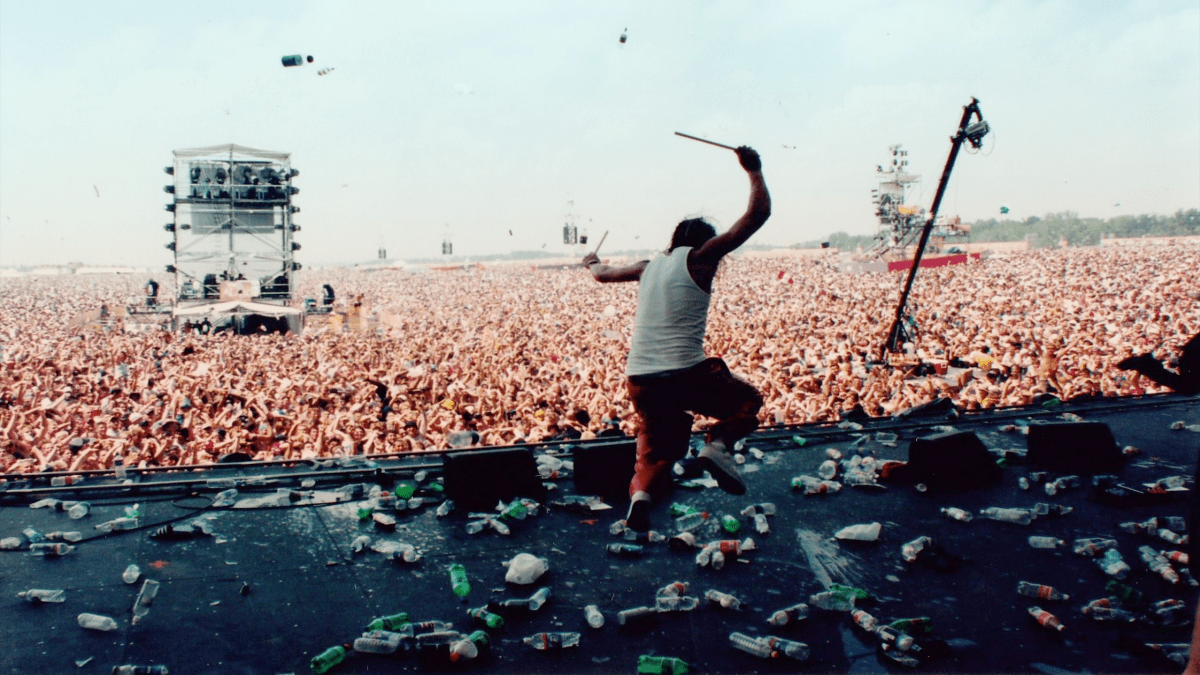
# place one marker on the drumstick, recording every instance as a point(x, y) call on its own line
point(702, 140)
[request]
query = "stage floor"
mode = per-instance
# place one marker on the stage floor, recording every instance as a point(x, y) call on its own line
point(275, 586)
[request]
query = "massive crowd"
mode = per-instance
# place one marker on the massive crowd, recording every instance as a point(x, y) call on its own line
point(517, 354)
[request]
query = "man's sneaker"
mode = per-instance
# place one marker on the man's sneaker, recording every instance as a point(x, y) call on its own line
point(722, 467)
point(638, 518)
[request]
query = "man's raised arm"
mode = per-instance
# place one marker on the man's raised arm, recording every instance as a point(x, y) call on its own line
point(608, 274)
point(751, 221)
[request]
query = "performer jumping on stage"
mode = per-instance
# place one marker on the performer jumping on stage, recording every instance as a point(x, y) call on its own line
point(669, 375)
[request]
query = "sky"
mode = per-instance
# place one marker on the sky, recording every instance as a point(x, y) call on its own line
point(468, 120)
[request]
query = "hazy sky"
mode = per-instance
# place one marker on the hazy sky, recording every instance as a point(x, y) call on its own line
point(476, 118)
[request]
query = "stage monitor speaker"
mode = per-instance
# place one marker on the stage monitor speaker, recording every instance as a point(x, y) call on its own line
point(1074, 447)
point(605, 469)
point(477, 479)
point(951, 461)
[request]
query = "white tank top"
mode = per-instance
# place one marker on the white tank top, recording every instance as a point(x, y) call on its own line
point(672, 314)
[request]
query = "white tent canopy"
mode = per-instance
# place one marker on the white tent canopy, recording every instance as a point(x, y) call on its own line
point(242, 316)
point(237, 307)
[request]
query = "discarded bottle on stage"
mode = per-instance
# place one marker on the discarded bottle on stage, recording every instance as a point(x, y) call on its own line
point(594, 617)
point(765, 508)
point(539, 598)
point(131, 574)
point(79, 510)
point(815, 486)
point(1127, 594)
point(912, 549)
point(96, 622)
point(723, 599)
point(832, 600)
point(483, 616)
point(140, 670)
point(1094, 545)
point(913, 625)
point(525, 568)
point(661, 665)
point(730, 524)
point(37, 596)
point(860, 532)
point(682, 541)
point(411, 630)
point(1044, 509)
point(1018, 516)
point(458, 581)
point(899, 639)
point(789, 648)
point(1040, 592)
point(1113, 565)
point(650, 537)
point(1158, 564)
point(787, 615)
point(141, 606)
point(672, 590)
point(1046, 618)
point(1177, 557)
point(392, 622)
point(1172, 537)
point(753, 646)
point(1050, 543)
point(691, 521)
point(1101, 610)
point(958, 514)
point(863, 620)
point(551, 641)
point(626, 550)
point(828, 469)
point(118, 524)
point(377, 645)
point(678, 603)
point(627, 616)
point(326, 660)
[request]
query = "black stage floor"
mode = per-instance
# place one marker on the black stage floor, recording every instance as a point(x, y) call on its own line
point(275, 586)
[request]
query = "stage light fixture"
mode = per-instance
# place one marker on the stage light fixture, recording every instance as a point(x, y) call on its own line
point(170, 269)
point(295, 209)
point(169, 227)
point(295, 266)
point(169, 189)
point(170, 170)
point(295, 246)
point(185, 226)
point(294, 228)
point(293, 189)
point(170, 207)
point(170, 246)
point(975, 133)
point(294, 173)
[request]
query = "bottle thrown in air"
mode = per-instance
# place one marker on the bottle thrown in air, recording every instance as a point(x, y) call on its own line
point(1018, 516)
point(1046, 542)
point(594, 617)
point(39, 595)
point(552, 641)
point(788, 614)
point(958, 514)
point(1040, 592)
point(96, 622)
point(1046, 618)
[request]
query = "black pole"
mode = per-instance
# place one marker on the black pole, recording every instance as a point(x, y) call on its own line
point(955, 143)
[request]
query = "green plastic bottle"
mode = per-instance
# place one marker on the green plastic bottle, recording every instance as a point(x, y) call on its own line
point(458, 580)
point(730, 524)
point(515, 511)
point(392, 622)
point(799, 440)
point(405, 490)
point(676, 510)
point(482, 615)
point(323, 662)
point(364, 513)
point(913, 626)
point(661, 665)
point(850, 591)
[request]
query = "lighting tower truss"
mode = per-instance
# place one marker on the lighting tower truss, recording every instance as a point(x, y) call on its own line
point(232, 222)
point(900, 223)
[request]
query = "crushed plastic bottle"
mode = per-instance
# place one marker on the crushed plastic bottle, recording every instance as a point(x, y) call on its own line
point(1113, 565)
point(1041, 592)
point(691, 521)
point(444, 508)
point(131, 574)
point(828, 470)
point(118, 524)
point(1048, 543)
point(661, 665)
point(958, 514)
point(912, 549)
point(10, 543)
point(322, 663)
point(551, 641)
point(96, 622)
point(832, 600)
point(70, 537)
point(626, 550)
point(913, 625)
point(525, 568)
point(1172, 537)
point(896, 638)
point(787, 615)
point(860, 532)
point(37, 596)
point(145, 598)
point(679, 603)
point(863, 620)
point(594, 617)
point(1017, 516)
point(628, 616)
point(79, 510)
point(1044, 509)
point(1175, 557)
point(682, 541)
point(378, 645)
point(1102, 610)
point(815, 486)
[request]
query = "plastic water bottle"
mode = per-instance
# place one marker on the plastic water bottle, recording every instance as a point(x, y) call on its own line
point(723, 599)
point(958, 514)
point(1172, 537)
point(661, 665)
point(628, 616)
point(79, 510)
point(828, 469)
point(1046, 618)
point(626, 550)
point(672, 590)
point(392, 622)
point(483, 616)
point(1046, 542)
point(1018, 516)
point(912, 549)
point(1093, 545)
point(679, 603)
point(71, 537)
point(96, 622)
point(1044, 509)
point(789, 648)
point(10, 544)
point(539, 598)
point(458, 581)
point(50, 549)
point(39, 595)
point(552, 641)
point(730, 524)
point(1157, 563)
point(1040, 592)
point(891, 636)
point(119, 469)
point(832, 600)
point(650, 537)
point(377, 645)
point(754, 646)
point(787, 615)
point(594, 617)
point(444, 508)
point(33, 535)
point(63, 481)
point(139, 670)
point(326, 660)
point(1177, 557)
point(131, 574)
point(1113, 565)
point(815, 486)
point(863, 620)
point(118, 524)
point(765, 508)
point(141, 606)
point(409, 630)
point(691, 521)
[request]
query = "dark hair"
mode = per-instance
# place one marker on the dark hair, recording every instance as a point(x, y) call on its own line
point(691, 232)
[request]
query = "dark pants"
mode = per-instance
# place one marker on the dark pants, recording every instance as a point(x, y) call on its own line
point(1187, 381)
point(665, 403)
